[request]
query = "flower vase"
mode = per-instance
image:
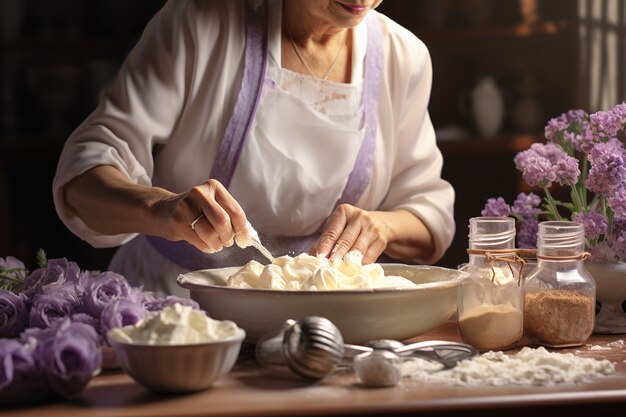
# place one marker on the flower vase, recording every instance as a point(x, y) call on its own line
point(610, 296)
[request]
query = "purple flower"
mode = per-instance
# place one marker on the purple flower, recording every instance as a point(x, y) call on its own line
point(20, 376)
point(496, 207)
point(69, 354)
point(121, 312)
point(619, 111)
point(141, 297)
point(619, 246)
point(86, 319)
point(538, 171)
point(107, 287)
point(14, 265)
point(56, 270)
point(617, 202)
point(54, 303)
point(13, 313)
point(605, 124)
point(595, 224)
point(608, 170)
point(526, 205)
point(567, 171)
point(551, 151)
point(570, 130)
point(12, 272)
point(527, 234)
point(602, 252)
point(170, 300)
point(619, 226)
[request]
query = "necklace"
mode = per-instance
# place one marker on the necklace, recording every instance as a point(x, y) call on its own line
point(332, 65)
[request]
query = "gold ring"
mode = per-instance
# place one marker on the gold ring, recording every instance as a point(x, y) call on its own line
point(193, 223)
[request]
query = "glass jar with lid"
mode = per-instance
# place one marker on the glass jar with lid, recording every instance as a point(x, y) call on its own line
point(560, 294)
point(490, 302)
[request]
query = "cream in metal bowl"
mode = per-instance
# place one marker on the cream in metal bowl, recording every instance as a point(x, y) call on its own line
point(177, 349)
point(361, 315)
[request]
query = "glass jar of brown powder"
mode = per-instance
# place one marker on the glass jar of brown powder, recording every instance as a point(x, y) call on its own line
point(490, 302)
point(560, 295)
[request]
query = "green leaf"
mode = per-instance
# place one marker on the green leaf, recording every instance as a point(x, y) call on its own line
point(42, 258)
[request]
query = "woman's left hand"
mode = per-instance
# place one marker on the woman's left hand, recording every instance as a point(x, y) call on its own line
point(350, 228)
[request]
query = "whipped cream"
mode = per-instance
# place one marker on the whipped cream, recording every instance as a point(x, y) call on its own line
point(175, 325)
point(316, 273)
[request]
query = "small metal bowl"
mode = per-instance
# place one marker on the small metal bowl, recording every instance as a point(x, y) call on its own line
point(178, 368)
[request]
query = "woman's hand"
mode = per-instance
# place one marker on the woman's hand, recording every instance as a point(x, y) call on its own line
point(350, 228)
point(400, 234)
point(214, 213)
point(109, 203)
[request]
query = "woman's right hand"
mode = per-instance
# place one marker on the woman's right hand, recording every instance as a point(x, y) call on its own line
point(109, 203)
point(215, 214)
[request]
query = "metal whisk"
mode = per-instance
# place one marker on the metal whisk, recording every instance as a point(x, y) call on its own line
point(311, 347)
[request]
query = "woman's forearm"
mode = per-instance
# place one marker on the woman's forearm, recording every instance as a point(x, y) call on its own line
point(408, 237)
point(109, 203)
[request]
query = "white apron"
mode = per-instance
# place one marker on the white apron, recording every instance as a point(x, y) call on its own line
point(294, 149)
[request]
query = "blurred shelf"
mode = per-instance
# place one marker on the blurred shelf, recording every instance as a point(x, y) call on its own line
point(473, 34)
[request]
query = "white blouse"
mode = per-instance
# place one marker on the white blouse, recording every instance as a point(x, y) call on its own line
point(160, 121)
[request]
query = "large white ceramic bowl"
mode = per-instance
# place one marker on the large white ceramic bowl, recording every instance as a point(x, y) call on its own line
point(360, 315)
point(178, 368)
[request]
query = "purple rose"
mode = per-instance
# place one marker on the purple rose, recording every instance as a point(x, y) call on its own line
point(86, 319)
point(20, 376)
point(50, 307)
point(138, 296)
point(121, 312)
point(170, 300)
point(56, 270)
point(69, 354)
point(106, 287)
point(13, 313)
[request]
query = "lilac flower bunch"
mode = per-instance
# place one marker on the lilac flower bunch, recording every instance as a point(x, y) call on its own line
point(53, 323)
point(585, 153)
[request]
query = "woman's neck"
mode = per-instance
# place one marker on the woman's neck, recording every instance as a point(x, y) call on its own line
point(305, 27)
point(312, 45)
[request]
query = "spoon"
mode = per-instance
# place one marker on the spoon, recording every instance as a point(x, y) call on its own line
point(446, 353)
point(376, 363)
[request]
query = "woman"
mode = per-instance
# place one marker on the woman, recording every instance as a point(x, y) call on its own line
point(307, 118)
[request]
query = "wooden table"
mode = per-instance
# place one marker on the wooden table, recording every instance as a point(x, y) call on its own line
point(251, 391)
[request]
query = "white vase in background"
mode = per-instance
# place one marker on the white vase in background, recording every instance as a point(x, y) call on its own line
point(610, 295)
point(487, 107)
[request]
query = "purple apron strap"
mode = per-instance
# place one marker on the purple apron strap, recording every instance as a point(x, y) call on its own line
point(361, 174)
point(186, 255)
point(239, 125)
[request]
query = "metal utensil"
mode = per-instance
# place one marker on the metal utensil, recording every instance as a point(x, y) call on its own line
point(310, 348)
point(254, 241)
point(376, 363)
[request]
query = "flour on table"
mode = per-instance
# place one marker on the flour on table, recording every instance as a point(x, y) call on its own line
point(536, 367)
point(609, 346)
